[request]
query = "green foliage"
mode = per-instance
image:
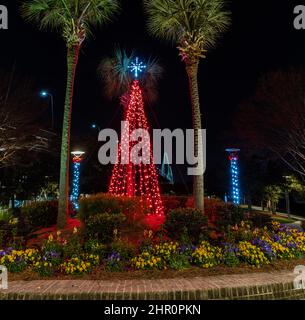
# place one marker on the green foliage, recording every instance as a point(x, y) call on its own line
point(230, 259)
point(178, 262)
point(74, 246)
point(272, 194)
point(98, 203)
point(185, 224)
point(239, 232)
point(260, 220)
point(197, 23)
point(40, 214)
point(125, 249)
point(5, 215)
point(95, 247)
point(228, 214)
point(130, 207)
point(104, 226)
point(72, 19)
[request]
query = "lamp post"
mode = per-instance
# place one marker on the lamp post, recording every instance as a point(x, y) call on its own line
point(235, 191)
point(286, 186)
point(77, 157)
point(45, 94)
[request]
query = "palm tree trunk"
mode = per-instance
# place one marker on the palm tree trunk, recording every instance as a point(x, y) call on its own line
point(198, 181)
point(63, 205)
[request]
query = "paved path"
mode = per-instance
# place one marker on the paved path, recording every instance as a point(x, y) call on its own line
point(282, 214)
point(197, 287)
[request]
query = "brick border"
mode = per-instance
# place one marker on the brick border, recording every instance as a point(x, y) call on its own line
point(255, 286)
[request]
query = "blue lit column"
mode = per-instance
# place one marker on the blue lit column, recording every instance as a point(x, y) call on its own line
point(77, 159)
point(235, 191)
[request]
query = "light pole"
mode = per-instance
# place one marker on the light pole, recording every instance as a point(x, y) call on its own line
point(235, 191)
point(95, 126)
point(77, 157)
point(286, 186)
point(45, 94)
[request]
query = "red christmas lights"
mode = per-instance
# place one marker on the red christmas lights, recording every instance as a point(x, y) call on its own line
point(136, 179)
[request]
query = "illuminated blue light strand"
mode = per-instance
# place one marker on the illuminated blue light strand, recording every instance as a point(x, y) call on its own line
point(75, 185)
point(235, 181)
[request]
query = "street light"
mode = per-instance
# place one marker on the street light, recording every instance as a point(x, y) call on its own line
point(77, 157)
point(95, 126)
point(45, 94)
point(286, 186)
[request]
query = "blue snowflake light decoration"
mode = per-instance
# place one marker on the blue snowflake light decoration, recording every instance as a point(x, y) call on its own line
point(137, 67)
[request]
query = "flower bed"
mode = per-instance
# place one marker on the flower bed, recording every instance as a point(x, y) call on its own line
point(242, 245)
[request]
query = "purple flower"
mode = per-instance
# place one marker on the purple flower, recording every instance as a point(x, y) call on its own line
point(187, 248)
point(264, 246)
point(291, 245)
point(114, 256)
point(230, 248)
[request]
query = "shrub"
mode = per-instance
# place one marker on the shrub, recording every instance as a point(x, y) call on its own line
point(260, 220)
point(173, 202)
point(132, 208)
point(220, 213)
point(104, 226)
point(185, 224)
point(74, 246)
point(96, 204)
point(40, 214)
point(6, 234)
point(95, 247)
point(125, 249)
point(178, 262)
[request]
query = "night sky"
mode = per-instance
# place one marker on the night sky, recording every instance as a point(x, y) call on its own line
point(261, 39)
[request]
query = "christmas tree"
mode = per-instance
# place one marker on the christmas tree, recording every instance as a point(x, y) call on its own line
point(135, 174)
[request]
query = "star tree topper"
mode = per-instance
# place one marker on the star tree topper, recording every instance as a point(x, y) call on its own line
point(137, 67)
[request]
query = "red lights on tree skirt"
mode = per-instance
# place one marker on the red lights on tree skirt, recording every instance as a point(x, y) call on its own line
point(130, 179)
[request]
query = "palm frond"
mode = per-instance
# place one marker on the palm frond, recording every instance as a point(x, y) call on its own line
point(115, 73)
point(45, 13)
point(188, 22)
point(117, 78)
point(99, 12)
point(73, 18)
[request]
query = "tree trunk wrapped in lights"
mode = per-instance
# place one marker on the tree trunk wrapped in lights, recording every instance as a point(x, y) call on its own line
point(136, 178)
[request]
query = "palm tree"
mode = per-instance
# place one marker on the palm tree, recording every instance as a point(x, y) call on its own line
point(194, 26)
point(73, 19)
point(117, 78)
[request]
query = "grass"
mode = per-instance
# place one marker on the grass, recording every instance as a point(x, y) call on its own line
point(283, 220)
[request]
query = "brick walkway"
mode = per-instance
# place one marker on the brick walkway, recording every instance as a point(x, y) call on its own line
point(242, 286)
